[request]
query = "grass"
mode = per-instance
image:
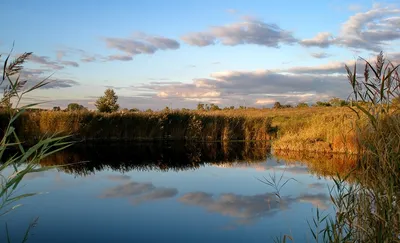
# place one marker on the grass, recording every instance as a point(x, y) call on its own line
point(367, 199)
point(314, 129)
point(145, 126)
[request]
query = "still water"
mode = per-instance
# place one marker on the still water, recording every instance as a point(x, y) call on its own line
point(173, 193)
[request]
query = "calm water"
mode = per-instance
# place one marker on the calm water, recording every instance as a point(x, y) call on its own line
point(169, 193)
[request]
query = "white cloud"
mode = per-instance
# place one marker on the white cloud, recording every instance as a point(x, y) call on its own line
point(323, 40)
point(248, 31)
point(320, 55)
point(370, 30)
point(141, 43)
point(265, 101)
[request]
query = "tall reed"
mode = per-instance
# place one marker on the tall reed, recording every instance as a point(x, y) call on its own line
point(93, 126)
point(367, 207)
point(20, 160)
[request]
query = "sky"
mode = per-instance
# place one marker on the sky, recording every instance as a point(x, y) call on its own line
point(178, 53)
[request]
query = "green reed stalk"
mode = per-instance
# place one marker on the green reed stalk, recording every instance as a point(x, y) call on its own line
point(20, 159)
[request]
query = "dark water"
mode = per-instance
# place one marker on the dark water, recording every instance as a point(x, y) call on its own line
point(169, 193)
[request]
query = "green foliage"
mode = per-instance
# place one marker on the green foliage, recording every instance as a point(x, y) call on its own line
point(302, 105)
point(56, 108)
point(75, 107)
point(21, 159)
point(200, 107)
point(166, 109)
point(337, 102)
point(214, 107)
point(134, 110)
point(108, 102)
point(322, 104)
point(277, 105)
point(185, 110)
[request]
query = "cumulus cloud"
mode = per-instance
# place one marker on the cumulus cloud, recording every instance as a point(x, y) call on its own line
point(248, 31)
point(265, 101)
point(252, 88)
point(34, 76)
point(29, 72)
point(44, 60)
point(70, 63)
point(88, 59)
point(323, 40)
point(82, 55)
point(329, 68)
point(320, 55)
point(370, 30)
point(60, 83)
point(119, 58)
point(54, 65)
point(141, 43)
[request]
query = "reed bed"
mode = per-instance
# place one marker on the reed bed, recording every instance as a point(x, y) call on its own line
point(315, 129)
point(144, 126)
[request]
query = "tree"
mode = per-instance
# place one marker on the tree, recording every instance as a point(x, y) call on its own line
point(134, 110)
point(277, 105)
point(185, 110)
point(200, 107)
point(56, 108)
point(322, 104)
point(302, 104)
point(108, 102)
point(214, 107)
point(337, 102)
point(75, 107)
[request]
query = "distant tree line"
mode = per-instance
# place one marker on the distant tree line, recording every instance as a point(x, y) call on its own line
point(108, 103)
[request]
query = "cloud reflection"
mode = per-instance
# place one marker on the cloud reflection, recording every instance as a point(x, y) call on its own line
point(319, 200)
point(118, 177)
point(127, 190)
point(137, 191)
point(156, 194)
point(246, 209)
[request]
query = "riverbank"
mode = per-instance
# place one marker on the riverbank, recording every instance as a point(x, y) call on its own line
point(313, 129)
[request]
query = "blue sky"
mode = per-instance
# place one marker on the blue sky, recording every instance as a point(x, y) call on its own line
point(179, 53)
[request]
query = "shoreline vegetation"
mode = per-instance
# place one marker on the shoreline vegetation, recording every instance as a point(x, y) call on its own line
point(312, 129)
point(180, 156)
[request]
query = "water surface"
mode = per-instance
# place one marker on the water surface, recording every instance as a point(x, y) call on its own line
point(172, 193)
